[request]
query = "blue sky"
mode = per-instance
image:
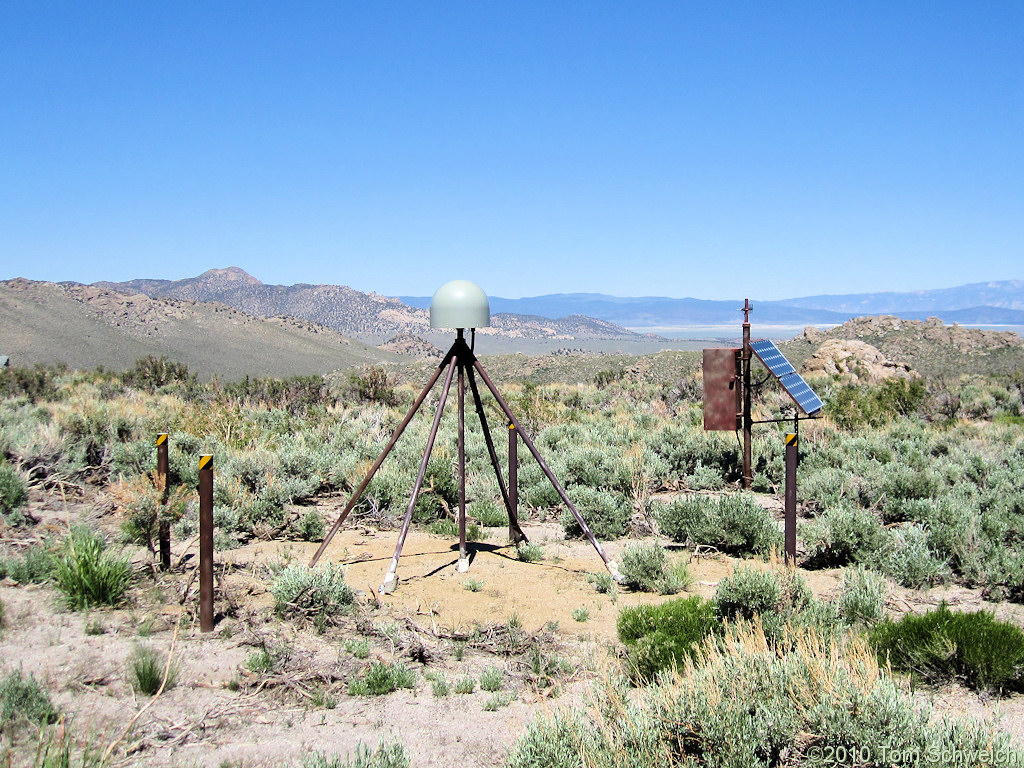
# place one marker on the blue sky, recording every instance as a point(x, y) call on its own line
point(714, 150)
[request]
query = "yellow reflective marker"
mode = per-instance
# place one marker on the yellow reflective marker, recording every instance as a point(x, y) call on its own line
point(791, 438)
point(161, 438)
point(511, 425)
point(205, 461)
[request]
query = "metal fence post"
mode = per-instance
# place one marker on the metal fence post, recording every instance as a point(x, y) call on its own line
point(791, 461)
point(163, 524)
point(206, 543)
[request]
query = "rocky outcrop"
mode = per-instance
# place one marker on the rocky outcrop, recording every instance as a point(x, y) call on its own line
point(854, 360)
point(413, 346)
point(932, 330)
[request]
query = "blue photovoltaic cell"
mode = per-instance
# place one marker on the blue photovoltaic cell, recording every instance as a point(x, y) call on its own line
point(802, 393)
point(791, 381)
point(772, 358)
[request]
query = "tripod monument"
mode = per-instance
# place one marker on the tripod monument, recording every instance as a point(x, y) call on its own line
point(460, 305)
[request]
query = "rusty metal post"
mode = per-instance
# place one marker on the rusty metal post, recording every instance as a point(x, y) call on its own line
point(463, 565)
point(206, 543)
point(513, 482)
point(748, 472)
point(791, 462)
point(163, 524)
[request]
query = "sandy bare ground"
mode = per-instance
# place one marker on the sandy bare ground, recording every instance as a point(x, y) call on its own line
point(220, 713)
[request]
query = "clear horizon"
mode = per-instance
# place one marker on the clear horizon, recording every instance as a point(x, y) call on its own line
point(536, 148)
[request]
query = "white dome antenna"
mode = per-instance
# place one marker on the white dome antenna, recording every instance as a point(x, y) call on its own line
point(460, 304)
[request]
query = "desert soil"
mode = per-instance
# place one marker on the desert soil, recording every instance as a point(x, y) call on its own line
point(221, 714)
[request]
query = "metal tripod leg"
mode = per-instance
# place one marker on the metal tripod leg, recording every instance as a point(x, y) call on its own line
point(390, 579)
point(380, 460)
point(463, 565)
point(516, 535)
point(609, 564)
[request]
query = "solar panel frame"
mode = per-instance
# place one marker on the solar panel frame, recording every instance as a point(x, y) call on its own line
point(799, 390)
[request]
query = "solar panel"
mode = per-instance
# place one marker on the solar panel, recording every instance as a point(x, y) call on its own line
point(802, 393)
point(772, 357)
point(791, 381)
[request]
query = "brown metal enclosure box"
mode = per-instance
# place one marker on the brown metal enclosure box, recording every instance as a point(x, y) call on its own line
point(723, 407)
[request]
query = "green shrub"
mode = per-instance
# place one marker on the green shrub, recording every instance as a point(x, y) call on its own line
point(36, 565)
point(581, 614)
point(492, 679)
point(529, 552)
point(744, 704)
point(748, 592)
point(852, 405)
point(645, 568)
point(310, 527)
point(660, 637)
point(690, 520)
point(942, 645)
point(642, 565)
point(381, 678)
point(318, 593)
point(384, 756)
point(906, 556)
point(605, 512)
point(142, 505)
point(603, 582)
point(261, 662)
point(440, 687)
point(146, 670)
point(35, 384)
point(295, 395)
point(488, 513)
point(153, 372)
point(734, 524)
point(862, 596)
point(372, 385)
point(840, 536)
point(358, 647)
point(705, 479)
point(747, 528)
point(777, 599)
point(465, 685)
point(13, 489)
point(497, 701)
point(88, 573)
point(24, 701)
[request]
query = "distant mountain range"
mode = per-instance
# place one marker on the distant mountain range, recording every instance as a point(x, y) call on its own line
point(373, 318)
point(1005, 294)
point(368, 317)
point(995, 303)
point(226, 322)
